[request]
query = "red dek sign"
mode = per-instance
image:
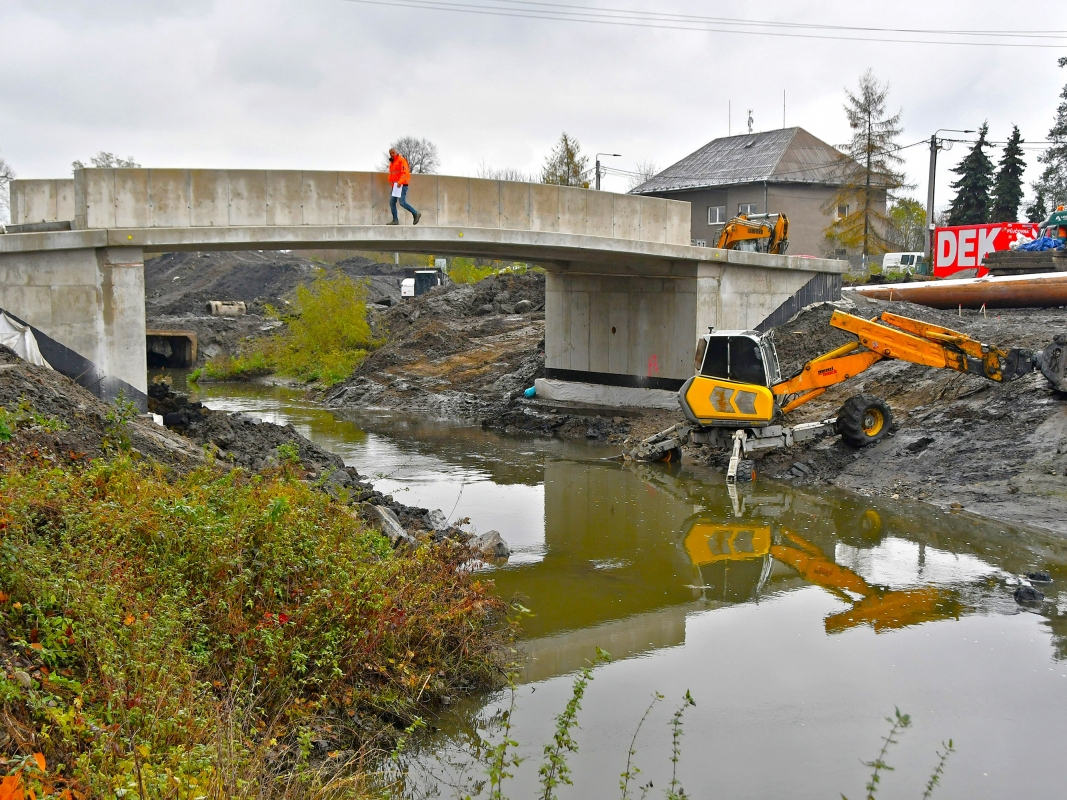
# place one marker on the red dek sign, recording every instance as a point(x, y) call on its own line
point(966, 246)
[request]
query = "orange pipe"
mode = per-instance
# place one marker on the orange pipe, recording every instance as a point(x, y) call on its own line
point(1044, 290)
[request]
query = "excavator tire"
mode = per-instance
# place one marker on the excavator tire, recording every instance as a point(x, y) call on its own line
point(672, 456)
point(864, 420)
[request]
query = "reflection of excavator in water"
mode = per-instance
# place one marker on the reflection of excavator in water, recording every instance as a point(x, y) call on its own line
point(733, 557)
point(757, 233)
point(738, 397)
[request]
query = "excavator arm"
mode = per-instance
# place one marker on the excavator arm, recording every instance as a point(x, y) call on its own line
point(904, 339)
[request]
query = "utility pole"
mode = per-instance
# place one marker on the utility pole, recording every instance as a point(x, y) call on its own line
point(928, 253)
point(935, 145)
point(598, 155)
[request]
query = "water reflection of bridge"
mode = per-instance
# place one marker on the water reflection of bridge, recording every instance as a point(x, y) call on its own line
point(616, 573)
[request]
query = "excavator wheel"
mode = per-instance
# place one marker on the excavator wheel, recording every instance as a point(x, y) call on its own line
point(864, 420)
point(672, 456)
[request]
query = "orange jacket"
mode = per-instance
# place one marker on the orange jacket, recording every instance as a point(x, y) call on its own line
point(399, 171)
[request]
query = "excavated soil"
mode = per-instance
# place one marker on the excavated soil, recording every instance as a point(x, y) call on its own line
point(178, 287)
point(458, 350)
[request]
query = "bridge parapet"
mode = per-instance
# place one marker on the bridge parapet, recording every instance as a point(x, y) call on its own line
point(198, 198)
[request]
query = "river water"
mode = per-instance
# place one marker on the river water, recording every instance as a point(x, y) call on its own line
point(798, 619)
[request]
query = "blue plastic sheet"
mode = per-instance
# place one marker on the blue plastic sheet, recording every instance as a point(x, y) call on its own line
point(1042, 244)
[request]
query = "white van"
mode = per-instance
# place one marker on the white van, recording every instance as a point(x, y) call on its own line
point(901, 262)
point(407, 287)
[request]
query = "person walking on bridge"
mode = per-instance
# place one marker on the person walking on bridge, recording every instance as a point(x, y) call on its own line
point(400, 178)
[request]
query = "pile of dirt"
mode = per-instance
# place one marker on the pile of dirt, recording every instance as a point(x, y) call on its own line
point(958, 441)
point(71, 424)
point(458, 350)
point(179, 285)
point(183, 283)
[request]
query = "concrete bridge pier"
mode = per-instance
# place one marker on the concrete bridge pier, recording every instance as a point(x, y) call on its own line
point(90, 300)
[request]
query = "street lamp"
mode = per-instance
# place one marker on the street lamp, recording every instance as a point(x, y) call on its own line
point(598, 155)
point(935, 145)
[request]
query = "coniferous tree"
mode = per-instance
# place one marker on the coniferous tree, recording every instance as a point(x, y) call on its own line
point(971, 205)
point(1008, 184)
point(565, 165)
point(1037, 211)
point(868, 171)
point(1053, 181)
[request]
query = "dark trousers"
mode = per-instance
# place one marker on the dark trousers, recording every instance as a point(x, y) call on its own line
point(403, 201)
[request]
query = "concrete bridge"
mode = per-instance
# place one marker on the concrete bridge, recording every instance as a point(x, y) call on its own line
point(627, 295)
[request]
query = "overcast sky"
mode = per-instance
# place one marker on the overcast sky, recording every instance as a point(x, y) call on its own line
point(327, 84)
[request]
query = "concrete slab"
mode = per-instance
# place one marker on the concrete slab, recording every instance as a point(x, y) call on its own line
point(595, 394)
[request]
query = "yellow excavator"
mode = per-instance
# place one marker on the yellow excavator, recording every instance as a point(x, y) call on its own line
point(738, 397)
point(758, 233)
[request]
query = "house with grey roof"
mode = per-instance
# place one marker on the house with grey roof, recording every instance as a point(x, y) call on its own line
point(785, 171)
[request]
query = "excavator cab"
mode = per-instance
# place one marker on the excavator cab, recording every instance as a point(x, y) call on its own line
point(736, 370)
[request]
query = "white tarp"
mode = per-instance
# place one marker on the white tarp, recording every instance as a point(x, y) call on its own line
point(20, 339)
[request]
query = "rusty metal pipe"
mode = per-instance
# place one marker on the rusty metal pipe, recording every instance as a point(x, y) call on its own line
point(1045, 290)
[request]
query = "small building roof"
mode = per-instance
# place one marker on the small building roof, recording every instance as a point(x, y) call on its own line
point(786, 155)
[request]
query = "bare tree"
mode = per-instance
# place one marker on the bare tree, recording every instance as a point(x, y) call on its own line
point(6, 176)
point(504, 174)
point(421, 154)
point(646, 170)
point(104, 159)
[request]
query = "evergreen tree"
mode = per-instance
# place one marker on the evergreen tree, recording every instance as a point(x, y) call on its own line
point(565, 165)
point(1053, 181)
point(868, 170)
point(1037, 211)
point(971, 204)
point(1008, 185)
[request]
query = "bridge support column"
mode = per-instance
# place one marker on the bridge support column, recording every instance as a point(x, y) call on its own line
point(615, 337)
point(90, 300)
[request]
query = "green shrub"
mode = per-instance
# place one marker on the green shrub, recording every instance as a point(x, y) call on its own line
point(193, 637)
point(325, 338)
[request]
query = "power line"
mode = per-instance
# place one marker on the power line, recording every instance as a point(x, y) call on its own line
point(598, 10)
point(522, 9)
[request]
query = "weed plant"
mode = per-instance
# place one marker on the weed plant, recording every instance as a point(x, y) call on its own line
point(221, 634)
point(325, 337)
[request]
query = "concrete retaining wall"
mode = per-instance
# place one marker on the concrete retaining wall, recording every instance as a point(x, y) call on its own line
point(174, 198)
point(91, 300)
point(42, 201)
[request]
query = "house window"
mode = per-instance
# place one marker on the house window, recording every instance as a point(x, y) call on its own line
point(746, 208)
point(716, 215)
point(842, 212)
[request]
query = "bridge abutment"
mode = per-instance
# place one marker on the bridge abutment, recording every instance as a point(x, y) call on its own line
point(91, 300)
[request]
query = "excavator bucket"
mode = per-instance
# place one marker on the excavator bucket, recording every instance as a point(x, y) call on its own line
point(1053, 362)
